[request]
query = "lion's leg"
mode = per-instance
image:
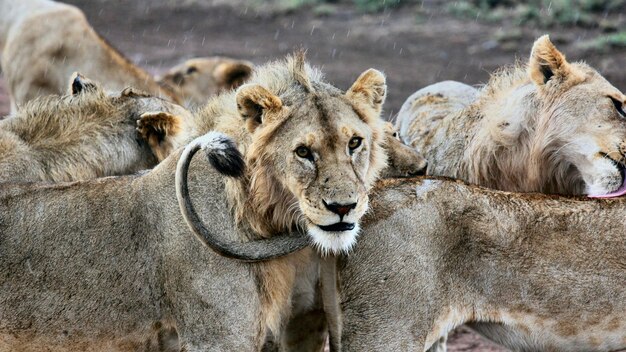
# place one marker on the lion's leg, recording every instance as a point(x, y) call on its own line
point(306, 332)
point(306, 329)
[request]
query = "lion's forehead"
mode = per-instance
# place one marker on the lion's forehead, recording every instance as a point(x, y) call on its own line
point(327, 120)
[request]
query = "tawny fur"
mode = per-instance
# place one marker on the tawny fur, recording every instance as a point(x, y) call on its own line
point(196, 80)
point(284, 104)
point(549, 126)
point(88, 135)
point(44, 41)
point(125, 269)
point(402, 160)
point(532, 272)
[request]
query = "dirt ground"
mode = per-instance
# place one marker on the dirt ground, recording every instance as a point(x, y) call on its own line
point(412, 50)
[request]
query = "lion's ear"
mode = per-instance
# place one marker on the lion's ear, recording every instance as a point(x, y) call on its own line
point(547, 62)
point(370, 89)
point(232, 74)
point(131, 92)
point(160, 130)
point(254, 102)
point(80, 84)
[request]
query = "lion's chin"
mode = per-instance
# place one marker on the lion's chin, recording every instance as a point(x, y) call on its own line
point(333, 242)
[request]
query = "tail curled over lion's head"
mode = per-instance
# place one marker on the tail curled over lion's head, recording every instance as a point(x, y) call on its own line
point(224, 156)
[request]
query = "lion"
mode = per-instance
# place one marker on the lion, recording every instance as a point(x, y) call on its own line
point(289, 96)
point(195, 80)
point(89, 134)
point(403, 161)
point(43, 42)
point(528, 271)
point(311, 154)
point(549, 126)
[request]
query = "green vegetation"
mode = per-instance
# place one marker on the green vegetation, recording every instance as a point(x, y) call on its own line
point(604, 43)
point(377, 5)
point(544, 13)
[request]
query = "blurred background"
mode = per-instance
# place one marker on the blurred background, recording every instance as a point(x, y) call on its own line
point(415, 43)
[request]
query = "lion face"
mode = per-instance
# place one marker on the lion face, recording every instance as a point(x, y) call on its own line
point(582, 121)
point(197, 79)
point(594, 124)
point(324, 151)
point(326, 168)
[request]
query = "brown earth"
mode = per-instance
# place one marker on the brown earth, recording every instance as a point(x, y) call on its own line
point(413, 50)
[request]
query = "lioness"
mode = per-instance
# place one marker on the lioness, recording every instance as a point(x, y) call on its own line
point(110, 261)
point(88, 134)
point(550, 126)
point(195, 80)
point(43, 42)
point(528, 271)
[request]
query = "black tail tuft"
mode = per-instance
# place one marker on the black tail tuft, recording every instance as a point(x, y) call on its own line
point(226, 159)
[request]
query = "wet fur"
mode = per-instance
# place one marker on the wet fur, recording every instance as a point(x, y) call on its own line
point(533, 272)
point(522, 131)
point(85, 135)
point(153, 271)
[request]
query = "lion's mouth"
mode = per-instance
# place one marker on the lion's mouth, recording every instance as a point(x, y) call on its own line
point(337, 227)
point(619, 165)
point(622, 170)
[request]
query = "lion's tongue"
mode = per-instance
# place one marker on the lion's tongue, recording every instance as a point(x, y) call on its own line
point(620, 192)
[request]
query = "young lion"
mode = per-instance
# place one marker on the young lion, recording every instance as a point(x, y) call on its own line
point(312, 152)
point(530, 272)
point(43, 42)
point(88, 134)
point(321, 124)
point(551, 126)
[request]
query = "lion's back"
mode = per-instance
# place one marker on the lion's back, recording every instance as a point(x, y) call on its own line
point(46, 47)
point(422, 114)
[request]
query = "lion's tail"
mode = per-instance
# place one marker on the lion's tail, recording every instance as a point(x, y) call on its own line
point(221, 152)
point(226, 158)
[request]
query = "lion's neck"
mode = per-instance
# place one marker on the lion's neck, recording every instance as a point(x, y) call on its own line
point(501, 151)
point(510, 148)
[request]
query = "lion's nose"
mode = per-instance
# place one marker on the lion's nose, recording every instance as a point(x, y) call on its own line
point(339, 209)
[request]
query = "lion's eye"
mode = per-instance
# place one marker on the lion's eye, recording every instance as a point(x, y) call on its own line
point(191, 70)
point(354, 143)
point(619, 106)
point(304, 152)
